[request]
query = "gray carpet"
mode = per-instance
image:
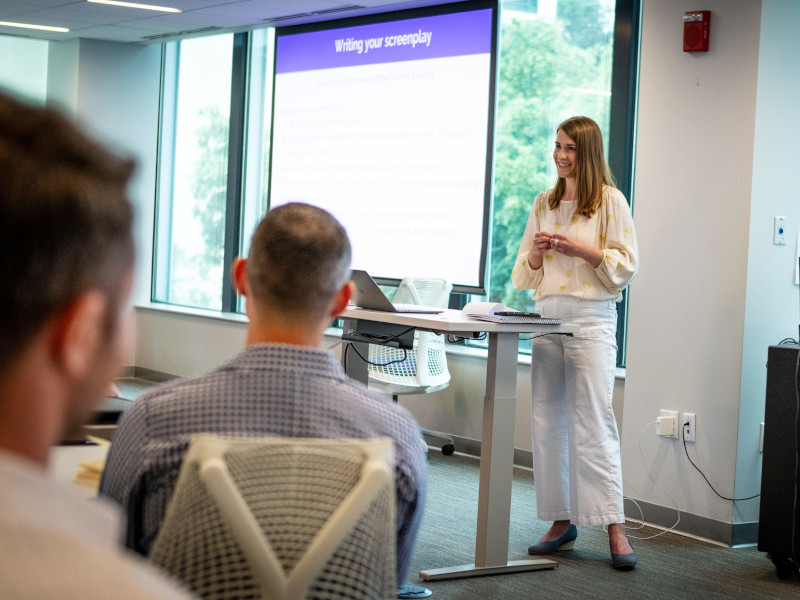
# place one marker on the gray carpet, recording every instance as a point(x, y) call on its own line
point(670, 566)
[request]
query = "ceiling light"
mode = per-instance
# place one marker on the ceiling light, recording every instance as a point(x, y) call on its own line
point(28, 26)
point(135, 5)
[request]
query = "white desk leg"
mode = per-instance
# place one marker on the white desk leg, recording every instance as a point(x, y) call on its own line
point(497, 469)
point(353, 365)
point(497, 451)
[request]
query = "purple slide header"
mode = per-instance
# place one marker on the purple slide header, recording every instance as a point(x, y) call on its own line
point(453, 34)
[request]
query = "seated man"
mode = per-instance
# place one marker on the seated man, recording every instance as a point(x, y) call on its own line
point(295, 281)
point(66, 261)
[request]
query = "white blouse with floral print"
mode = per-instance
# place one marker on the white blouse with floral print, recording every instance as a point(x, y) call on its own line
point(610, 228)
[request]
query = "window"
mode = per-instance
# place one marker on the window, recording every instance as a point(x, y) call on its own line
point(558, 58)
point(552, 66)
point(258, 128)
point(25, 74)
point(193, 172)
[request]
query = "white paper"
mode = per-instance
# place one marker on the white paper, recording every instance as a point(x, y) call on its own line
point(481, 308)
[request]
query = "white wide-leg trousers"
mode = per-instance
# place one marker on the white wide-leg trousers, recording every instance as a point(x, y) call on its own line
point(576, 453)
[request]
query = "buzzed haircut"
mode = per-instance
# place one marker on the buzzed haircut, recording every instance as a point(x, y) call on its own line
point(65, 221)
point(299, 259)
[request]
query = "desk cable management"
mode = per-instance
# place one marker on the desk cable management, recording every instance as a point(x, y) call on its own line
point(376, 339)
point(455, 339)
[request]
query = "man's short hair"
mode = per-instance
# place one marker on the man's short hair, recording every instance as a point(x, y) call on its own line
point(65, 221)
point(299, 259)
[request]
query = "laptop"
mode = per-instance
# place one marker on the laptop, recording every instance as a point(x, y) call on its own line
point(369, 295)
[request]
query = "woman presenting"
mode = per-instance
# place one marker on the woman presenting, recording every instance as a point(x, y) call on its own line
point(578, 252)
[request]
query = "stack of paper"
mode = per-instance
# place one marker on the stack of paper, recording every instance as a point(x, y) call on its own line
point(90, 471)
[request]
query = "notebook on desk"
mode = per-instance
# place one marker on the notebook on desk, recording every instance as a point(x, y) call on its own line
point(369, 295)
point(494, 312)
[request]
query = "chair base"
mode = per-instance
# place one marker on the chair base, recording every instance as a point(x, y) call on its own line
point(447, 448)
point(396, 390)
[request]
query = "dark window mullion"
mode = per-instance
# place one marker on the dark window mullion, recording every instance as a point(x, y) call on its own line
point(622, 125)
point(623, 95)
point(236, 138)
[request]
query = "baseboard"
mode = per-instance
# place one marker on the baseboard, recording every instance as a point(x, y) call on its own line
point(146, 374)
point(470, 447)
point(721, 532)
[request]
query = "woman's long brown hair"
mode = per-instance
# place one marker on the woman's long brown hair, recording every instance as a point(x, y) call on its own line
point(592, 171)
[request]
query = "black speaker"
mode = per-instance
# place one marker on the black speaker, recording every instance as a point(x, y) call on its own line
point(779, 517)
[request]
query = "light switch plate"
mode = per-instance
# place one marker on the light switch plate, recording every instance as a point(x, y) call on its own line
point(779, 235)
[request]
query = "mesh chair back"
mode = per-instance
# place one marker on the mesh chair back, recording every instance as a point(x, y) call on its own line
point(425, 366)
point(430, 292)
point(283, 519)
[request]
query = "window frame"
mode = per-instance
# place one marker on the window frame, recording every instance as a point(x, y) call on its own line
point(622, 126)
point(237, 142)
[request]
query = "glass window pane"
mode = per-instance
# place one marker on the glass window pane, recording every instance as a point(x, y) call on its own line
point(555, 62)
point(257, 127)
point(193, 173)
point(23, 70)
point(256, 186)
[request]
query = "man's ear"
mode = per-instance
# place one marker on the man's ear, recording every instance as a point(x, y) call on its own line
point(79, 332)
point(239, 276)
point(342, 298)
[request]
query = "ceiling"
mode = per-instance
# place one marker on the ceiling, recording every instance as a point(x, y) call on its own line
point(198, 17)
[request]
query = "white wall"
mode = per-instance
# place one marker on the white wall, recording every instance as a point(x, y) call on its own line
point(62, 76)
point(118, 100)
point(112, 90)
point(772, 300)
point(692, 208)
point(185, 344)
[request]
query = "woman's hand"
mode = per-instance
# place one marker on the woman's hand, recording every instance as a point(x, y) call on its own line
point(539, 246)
point(570, 247)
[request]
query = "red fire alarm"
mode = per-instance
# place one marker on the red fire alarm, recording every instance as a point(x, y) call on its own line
point(695, 30)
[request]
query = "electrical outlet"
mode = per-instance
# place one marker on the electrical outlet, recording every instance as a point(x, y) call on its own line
point(689, 425)
point(667, 424)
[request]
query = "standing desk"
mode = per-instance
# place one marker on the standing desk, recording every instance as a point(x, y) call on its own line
point(497, 443)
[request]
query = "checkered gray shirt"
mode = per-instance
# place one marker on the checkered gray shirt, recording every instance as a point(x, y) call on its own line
point(267, 390)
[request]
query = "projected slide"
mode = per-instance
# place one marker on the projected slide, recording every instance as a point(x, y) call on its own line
point(387, 126)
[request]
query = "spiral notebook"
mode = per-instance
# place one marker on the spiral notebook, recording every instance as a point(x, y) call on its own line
point(487, 311)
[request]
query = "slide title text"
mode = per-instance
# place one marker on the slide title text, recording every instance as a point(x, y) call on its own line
point(360, 46)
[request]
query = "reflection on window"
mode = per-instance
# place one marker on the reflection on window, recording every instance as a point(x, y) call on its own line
point(193, 172)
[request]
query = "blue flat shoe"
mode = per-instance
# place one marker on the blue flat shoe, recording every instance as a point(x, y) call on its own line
point(408, 591)
point(565, 542)
point(624, 562)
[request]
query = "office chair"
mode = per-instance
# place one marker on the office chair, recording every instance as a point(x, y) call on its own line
point(424, 369)
point(282, 519)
